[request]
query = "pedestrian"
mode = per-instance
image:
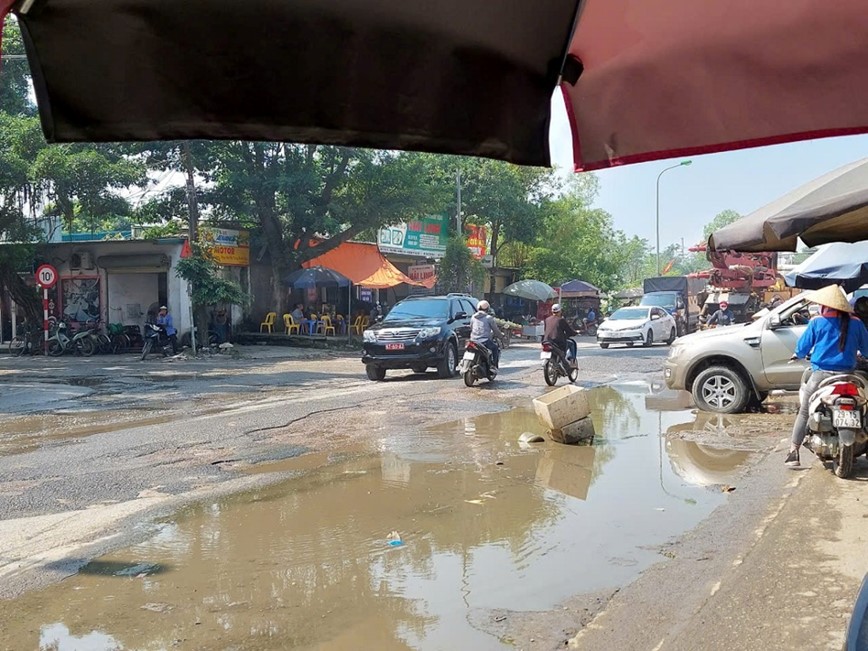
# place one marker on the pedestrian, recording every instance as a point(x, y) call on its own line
point(833, 340)
point(298, 313)
point(165, 319)
point(221, 326)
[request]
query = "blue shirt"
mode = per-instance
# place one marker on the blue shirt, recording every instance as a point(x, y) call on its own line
point(166, 321)
point(821, 337)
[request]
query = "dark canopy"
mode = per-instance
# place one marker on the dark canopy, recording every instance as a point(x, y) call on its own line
point(831, 208)
point(457, 76)
point(841, 263)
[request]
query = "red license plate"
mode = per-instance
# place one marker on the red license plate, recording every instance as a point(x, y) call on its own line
point(394, 346)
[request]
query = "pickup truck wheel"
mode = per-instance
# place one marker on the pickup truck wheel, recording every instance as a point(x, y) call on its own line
point(604, 346)
point(375, 373)
point(721, 389)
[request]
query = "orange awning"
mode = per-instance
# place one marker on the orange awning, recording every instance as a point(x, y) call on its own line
point(364, 265)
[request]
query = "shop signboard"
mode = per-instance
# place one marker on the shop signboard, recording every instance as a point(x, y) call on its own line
point(421, 272)
point(477, 240)
point(229, 248)
point(424, 237)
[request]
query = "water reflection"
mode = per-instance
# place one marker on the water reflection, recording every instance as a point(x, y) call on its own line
point(485, 525)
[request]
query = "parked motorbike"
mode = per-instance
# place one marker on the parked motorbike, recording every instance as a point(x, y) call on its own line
point(476, 364)
point(836, 421)
point(60, 342)
point(156, 341)
point(555, 364)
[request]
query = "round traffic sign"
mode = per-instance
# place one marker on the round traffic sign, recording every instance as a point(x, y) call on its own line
point(46, 276)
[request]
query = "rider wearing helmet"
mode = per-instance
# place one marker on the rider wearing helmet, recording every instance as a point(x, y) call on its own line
point(724, 316)
point(560, 333)
point(484, 329)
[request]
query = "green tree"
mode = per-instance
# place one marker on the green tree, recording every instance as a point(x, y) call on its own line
point(459, 270)
point(14, 73)
point(578, 241)
point(507, 199)
point(305, 199)
point(721, 219)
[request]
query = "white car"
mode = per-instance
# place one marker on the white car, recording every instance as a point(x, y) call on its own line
point(641, 324)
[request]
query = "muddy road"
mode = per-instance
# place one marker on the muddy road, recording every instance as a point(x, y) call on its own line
point(281, 500)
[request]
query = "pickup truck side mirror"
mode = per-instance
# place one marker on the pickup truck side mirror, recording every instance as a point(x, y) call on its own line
point(775, 322)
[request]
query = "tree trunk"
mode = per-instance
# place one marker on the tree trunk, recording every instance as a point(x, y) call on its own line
point(492, 278)
point(25, 297)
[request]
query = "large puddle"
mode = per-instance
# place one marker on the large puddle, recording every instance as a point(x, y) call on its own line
point(484, 524)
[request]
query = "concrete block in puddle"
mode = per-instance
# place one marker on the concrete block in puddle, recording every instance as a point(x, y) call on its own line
point(580, 431)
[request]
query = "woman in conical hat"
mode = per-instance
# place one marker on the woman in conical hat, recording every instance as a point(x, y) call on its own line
point(833, 340)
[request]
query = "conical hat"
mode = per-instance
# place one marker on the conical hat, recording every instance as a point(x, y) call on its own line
point(831, 296)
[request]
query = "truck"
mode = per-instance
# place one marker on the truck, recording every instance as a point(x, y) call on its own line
point(679, 296)
point(740, 279)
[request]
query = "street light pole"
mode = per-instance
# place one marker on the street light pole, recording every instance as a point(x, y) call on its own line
point(681, 164)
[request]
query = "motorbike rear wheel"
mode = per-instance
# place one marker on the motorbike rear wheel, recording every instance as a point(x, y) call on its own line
point(843, 462)
point(86, 346)
point(149, 343)
point(550, 372)
point(469, 380)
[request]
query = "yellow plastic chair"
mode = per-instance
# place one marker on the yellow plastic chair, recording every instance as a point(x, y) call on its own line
point(357, 326)
point(269, 322)
point(326, 325)
point(289, 324)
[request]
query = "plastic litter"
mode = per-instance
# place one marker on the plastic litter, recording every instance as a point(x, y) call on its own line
point(394, 539)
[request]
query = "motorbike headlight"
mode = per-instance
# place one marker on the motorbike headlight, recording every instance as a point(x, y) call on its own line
point(427, 333)
point(370, 336)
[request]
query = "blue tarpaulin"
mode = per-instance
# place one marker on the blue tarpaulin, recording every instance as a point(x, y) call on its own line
point(842, 263)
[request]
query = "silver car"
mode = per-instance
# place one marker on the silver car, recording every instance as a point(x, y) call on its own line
point(727, 369)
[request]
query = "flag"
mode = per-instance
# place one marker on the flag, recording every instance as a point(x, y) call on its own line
point(669, 266)
point(185, 250)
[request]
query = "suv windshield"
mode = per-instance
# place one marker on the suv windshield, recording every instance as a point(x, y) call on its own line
point(435, 308)
point(630, 314)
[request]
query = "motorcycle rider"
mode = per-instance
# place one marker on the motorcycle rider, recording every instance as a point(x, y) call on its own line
point(833, 340)
point(724, 316)
point(165, 319)
point(484, 330)
point(560, 333)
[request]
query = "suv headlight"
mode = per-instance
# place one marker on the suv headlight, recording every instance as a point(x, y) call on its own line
point(427, 333)
point(370, 336)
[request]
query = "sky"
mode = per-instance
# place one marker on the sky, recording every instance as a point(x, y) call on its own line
point(691, 196)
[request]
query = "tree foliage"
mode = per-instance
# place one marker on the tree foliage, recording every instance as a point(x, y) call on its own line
point(459, 270)
point(721, 219)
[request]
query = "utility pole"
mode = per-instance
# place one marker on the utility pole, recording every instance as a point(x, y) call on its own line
point(192, 228)
point(458, 190)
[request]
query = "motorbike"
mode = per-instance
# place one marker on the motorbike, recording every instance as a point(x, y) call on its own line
point(476, 364)
point(156, 341)
point(555, 364)
point(60, 342)
point(836, 421)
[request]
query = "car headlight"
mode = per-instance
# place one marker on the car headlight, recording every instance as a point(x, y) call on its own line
point(427, 333)
point(370, 336)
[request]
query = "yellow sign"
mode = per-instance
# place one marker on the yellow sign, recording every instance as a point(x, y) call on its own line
point(229, 248)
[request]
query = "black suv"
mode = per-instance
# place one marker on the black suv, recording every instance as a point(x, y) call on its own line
point(419, 332)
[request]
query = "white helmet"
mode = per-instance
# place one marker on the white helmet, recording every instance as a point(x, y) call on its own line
point(556, 308)
point(483, 305)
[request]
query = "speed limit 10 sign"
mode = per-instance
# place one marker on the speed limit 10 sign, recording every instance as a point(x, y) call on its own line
point(46, 276)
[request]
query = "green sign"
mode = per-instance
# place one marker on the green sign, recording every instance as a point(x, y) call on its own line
point(425, 237)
